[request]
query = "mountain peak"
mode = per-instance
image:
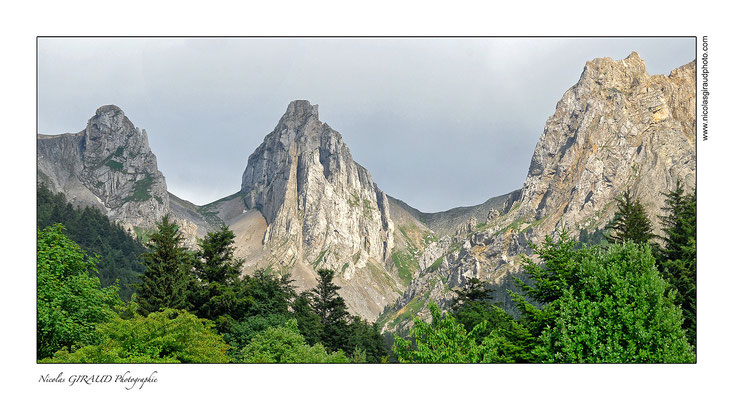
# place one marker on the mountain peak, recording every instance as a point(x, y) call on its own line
point(322, 209)
point(108, 165)
point(109, 109)
point(302, 108)
point(621, 74)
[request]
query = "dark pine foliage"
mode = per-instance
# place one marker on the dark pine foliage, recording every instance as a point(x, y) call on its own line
point(630, 223)
point(118, 251)
point(214, 291)
point(677, 258)
point(322, 312)
point(331, 308)
point(168, 281)
point(474, 304)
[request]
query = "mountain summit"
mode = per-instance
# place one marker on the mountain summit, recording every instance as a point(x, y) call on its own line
point(322, 209)
point(108, 165)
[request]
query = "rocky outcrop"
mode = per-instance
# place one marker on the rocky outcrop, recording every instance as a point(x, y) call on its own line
point(618, 128)
point(108, 165)
point(322, 209)
point(312, 193)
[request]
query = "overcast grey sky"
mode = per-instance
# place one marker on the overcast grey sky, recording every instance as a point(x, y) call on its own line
point(439, 122)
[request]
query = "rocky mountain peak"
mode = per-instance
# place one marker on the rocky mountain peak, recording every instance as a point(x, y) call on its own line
point(618, 128)
point(322, 209)
point(108, 165)
point(611, 73)
point(300, 111)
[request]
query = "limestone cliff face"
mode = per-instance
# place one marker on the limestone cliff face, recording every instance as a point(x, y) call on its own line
point(108, 165)
point(315, 197)
point(322, 209)
point(618, 128)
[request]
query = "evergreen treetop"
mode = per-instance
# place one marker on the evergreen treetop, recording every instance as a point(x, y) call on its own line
point(630, 222)
point(168, 278)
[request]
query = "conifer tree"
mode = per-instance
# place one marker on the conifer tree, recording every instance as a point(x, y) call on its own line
point(217, 271)
point(678, 255)
point(473, 305)
point(216, 255)
point(331, 308)
point(309, 323)
point(630, 221)
point(168, 278)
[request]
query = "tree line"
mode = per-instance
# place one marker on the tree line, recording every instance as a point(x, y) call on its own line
point(119, 253)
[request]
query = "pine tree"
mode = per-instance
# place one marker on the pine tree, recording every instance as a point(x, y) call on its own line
point(630, 221)
point(214, 295)
point(216, 255)
point(168, 278)
point(309, 323)
point(331, 308)
point(678, 256)
point(473, 305)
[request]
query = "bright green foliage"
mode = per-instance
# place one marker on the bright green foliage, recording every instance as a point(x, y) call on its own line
point(284, 344)
point(630, 221)
point(168, 279)
point(70, 301)
point(549, 280)
point(240, 333)
point(169, 336)
point(509, 342)
point(603, 305)
point(95, 234)
point(678, 256)
point(443, 340)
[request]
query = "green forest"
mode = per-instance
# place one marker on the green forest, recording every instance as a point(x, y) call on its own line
point(620, 295)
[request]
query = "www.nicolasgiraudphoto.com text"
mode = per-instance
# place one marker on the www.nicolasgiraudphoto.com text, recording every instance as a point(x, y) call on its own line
point(705, 85)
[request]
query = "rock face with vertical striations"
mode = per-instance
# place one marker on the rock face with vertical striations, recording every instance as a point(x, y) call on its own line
point(108, 165)
point(618, 128)
point(322, 209)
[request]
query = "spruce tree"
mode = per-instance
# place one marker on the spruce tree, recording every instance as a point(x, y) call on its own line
point(630, 223)
point(168, 278)
point(214, 295)
point(309, 323)
point(473, 305)
point(678, 255)
point(216, 256)
point(331, 308)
